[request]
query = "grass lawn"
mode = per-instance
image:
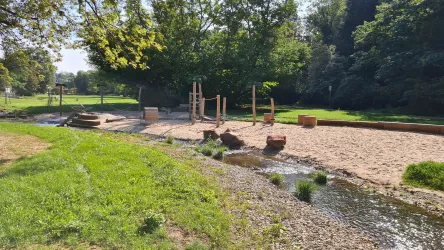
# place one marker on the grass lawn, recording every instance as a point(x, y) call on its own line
point(98, 189)
point(425, 174)
point(289, 114)
point(39, 104)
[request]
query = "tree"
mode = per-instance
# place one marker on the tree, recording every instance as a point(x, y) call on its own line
point(5, 78)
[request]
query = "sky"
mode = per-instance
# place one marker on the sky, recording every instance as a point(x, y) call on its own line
point(72, 61)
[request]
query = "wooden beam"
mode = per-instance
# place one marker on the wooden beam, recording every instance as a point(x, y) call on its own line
point(200, 101)
point(202, 105)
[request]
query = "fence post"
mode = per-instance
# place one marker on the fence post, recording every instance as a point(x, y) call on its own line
point(203, 109)
point(224, 110)
point(193, 115)
point(218, 111)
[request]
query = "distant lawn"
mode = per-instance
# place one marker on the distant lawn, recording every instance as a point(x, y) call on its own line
point(425, 174)
point(289, 114)
point(95, 189)
point(39, 104)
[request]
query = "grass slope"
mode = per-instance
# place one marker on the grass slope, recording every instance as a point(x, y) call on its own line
point(38, 104)
point(427, 174)
point(91, 188)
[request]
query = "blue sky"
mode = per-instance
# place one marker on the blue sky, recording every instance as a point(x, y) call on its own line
point(73, 61)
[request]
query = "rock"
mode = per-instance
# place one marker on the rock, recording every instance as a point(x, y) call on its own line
point(210, 134)
point(276, 141)
point(231, 139)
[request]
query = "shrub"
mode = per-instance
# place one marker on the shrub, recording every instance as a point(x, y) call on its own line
point(427, 174)
point(304, 190)
point(169, 139)
point(320, 177)
point(152, 222)
point(277, 179)
point(219, 155)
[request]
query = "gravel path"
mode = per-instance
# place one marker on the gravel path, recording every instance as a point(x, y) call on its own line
point(379, 156)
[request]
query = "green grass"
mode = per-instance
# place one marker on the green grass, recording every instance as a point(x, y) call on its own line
point(169, 139)
point(320, 177)
point(94, 188)
point(289, 114)
point(304, 190)
point(277, 179)
point(39, 104)
point(425, 174)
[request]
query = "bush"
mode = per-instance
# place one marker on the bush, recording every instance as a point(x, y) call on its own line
point(304, 190)
point(152, 222)
point(427, 174)
point(277, 179)
point(169, 139)
point(212, 148)
point(320, 177)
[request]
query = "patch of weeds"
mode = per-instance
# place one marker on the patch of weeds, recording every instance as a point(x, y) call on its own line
point(427, 174)
point(169, 139)
point(219, 154)
point(320, 177)
point(196, 245)
point(274, 230)
point(212, 148)
point(304, 190)
point(261, 196)
point(152, 222)
point(277, 179)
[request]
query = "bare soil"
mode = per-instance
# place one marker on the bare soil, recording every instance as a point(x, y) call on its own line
point(377, 157)
point(13, 147)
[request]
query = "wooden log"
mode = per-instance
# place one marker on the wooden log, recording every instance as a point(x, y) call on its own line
point(301, 119)
point(224, 110)
point(254, 105)
point(91, 123)
point(309, 121)
point(218, 111)
point(203, 109)
point(193, 115)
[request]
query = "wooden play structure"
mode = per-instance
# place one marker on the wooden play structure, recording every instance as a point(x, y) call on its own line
point(197, 101)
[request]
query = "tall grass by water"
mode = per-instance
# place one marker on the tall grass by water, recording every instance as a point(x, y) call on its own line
point(93, 188)
point(304, 190)
point(427, 174)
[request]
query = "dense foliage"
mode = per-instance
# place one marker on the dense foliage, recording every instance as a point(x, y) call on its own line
point(397, 58)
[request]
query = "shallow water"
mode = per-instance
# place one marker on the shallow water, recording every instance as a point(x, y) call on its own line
point(393, 224)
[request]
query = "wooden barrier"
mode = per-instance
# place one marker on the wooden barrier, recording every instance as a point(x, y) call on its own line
point(412, 127)
point(301, 119)
point(309, 121)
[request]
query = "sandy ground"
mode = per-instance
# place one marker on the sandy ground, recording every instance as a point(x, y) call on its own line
point(379, 156)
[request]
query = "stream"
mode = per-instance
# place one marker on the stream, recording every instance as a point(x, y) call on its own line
point(391, 223)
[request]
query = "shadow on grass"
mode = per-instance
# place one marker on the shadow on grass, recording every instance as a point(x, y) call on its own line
point(375, 117)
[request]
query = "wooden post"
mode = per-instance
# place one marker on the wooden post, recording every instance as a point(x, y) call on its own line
point(272, 108)
point(200, 100)
point(140, 96)
point(60, 105)
point(101, 98)
point(218, 111)
point(224, 110)
point(193, 114)
point(189, 104)
point(254, 105)
point(202, 105)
